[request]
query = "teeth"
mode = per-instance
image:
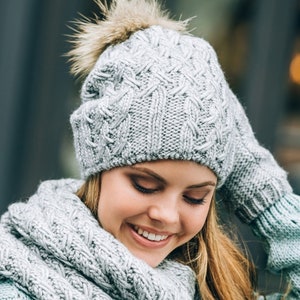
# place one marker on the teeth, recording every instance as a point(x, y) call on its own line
point(150, 236)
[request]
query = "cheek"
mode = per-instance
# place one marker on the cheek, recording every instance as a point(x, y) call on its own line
point(195, 220)
point(115, 206)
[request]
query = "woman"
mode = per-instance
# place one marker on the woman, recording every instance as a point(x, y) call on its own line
point(165, 209)
point(158, 133)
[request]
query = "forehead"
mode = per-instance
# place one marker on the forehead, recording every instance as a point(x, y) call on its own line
point(176, 169)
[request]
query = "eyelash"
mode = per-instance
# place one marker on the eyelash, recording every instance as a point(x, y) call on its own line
point(194, 201)
point(142, 189)
point(189, 200)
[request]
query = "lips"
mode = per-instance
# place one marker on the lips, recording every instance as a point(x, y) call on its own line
point(150, 235)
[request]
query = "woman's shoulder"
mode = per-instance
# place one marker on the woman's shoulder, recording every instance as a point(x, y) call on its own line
point(8, 291)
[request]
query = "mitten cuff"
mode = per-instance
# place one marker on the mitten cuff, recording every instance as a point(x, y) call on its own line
point(259, 184)
point(279, 225)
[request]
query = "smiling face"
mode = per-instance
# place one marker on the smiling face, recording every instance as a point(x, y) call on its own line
point(155, 207)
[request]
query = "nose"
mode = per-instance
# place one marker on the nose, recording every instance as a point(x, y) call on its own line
point(164, 210)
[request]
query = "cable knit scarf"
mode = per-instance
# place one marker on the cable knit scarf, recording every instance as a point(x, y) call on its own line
point(53, 248)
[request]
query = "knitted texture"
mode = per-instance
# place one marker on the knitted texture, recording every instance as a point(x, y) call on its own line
point(158, 95)
point(53, 248)
point(162, 95)
point(256, 180)
point(8, 291)
point(280, 227)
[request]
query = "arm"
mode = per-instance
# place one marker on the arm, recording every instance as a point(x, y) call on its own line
point(261, 196)
point(279, 225)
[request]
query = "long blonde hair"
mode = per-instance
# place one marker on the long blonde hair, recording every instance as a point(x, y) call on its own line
point(222, 270)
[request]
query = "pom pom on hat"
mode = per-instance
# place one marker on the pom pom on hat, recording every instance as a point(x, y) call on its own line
point(120, 20)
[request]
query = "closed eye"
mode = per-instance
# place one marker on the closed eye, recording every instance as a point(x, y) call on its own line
point(194, 201)
point(142, 189)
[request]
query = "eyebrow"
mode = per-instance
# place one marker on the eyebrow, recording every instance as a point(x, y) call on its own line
point(161, 179)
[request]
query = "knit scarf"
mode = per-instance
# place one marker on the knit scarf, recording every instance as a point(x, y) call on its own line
point(52, 247)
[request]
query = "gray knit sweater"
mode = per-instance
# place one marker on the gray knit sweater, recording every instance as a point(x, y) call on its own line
point(53, 248)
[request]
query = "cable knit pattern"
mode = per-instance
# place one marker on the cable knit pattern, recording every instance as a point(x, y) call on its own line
point(158, 95)
point(162, 95)
point(53, 248)
point(280, 226)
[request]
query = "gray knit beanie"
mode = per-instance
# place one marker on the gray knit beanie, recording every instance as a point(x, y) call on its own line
point(159, 94)
point(154, 92)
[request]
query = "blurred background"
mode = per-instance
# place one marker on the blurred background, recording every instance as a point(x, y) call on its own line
point(258, 44)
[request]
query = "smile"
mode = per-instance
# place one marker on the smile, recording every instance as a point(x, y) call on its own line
point(150, 236)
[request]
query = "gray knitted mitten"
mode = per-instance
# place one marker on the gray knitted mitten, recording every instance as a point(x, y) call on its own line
point(279, 225)
point(256, 180)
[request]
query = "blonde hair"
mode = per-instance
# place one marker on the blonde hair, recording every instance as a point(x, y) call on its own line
point(222, 270)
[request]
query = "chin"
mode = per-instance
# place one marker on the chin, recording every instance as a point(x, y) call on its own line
point(151, 261)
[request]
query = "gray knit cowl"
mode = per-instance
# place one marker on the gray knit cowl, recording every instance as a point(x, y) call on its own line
point(53, 248)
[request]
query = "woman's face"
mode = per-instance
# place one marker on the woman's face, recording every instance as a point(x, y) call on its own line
point(154, 207)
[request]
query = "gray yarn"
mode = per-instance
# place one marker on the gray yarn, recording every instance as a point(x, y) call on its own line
point(53, 248)
point(162, 95)
point(155, 96)
point(279, 226)
point(256, 181)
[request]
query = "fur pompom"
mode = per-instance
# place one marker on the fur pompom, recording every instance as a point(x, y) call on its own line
point(120, 20)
